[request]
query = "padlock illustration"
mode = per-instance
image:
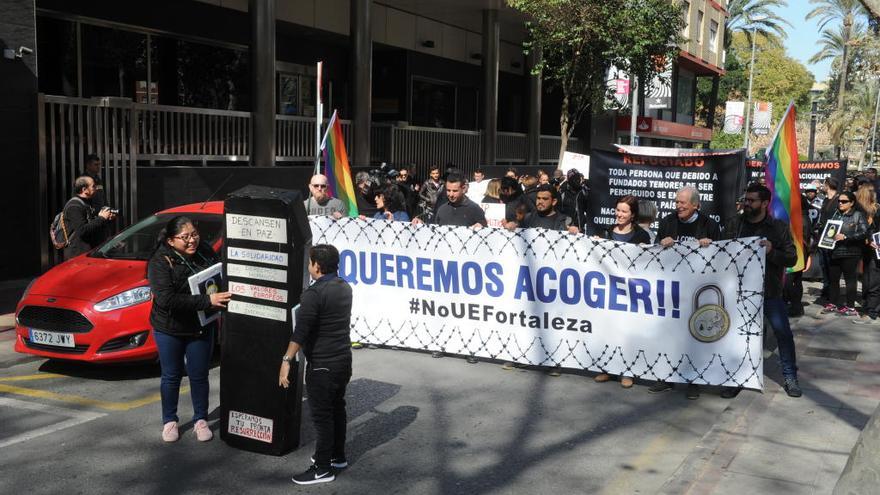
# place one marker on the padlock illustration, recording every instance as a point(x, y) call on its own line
point(709, 322)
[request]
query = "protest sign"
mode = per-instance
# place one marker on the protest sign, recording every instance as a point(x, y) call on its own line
point(809, 171)
point(656, 174)
point(540, 297)
point(576, 161)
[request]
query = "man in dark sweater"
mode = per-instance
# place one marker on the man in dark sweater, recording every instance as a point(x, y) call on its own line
point(321, 330)
point(545, 215)
point(458, 210)
point(85, 226)
point(686, 224)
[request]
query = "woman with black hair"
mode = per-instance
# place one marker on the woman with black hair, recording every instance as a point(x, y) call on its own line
point(181, 339)
point(391, 204)
point(846, 253)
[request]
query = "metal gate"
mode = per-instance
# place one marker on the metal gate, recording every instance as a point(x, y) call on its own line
point(69, 130)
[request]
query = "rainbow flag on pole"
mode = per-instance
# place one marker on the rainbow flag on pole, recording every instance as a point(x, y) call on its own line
point(339, 183)
point(785, 187)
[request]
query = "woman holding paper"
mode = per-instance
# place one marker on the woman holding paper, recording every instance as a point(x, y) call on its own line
point(846, 253)
point(182, 341)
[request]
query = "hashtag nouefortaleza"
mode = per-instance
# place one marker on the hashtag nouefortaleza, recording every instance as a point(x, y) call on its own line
point(489, 314)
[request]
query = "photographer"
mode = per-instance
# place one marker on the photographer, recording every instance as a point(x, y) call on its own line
point(573, 199)
point(85, 227)
point(366, 194)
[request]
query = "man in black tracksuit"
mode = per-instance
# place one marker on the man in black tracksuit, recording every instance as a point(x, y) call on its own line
point(322, 329)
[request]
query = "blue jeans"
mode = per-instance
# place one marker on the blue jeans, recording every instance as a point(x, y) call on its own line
point(172, 350)
point(777, 313)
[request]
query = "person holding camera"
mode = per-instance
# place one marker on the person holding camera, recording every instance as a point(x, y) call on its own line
point(85, 227)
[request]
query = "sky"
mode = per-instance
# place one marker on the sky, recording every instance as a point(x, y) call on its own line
point(803, 39)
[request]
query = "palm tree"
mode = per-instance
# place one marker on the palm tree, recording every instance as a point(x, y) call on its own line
point(853, 120)
point(847, 12)
point(759, 15)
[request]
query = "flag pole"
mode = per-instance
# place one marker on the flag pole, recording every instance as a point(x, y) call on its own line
point(319, 113)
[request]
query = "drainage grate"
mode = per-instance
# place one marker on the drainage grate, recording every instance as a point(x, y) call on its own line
point(831, 353)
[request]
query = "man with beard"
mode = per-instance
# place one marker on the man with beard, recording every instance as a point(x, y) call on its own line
point(687, 223)
point(781, 253)
point(545, 215)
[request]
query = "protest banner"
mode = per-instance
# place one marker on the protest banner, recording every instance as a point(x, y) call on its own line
point(539, 297)
point(809, 171)
point(656, 174)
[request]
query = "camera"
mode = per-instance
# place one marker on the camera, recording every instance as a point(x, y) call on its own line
point(385, 173)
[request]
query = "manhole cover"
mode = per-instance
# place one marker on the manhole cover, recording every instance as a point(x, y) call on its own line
point(831, 353)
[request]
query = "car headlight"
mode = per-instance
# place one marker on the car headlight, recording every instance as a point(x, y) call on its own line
point(124, 299)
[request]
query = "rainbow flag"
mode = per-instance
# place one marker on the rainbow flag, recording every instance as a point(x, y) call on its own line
point(785, 187)
point(339, 183)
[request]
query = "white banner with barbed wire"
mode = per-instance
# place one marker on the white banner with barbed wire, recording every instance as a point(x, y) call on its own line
point(686, 314)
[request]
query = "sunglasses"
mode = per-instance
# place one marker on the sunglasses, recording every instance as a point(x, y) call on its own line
point(844, 201)
point(319, 186)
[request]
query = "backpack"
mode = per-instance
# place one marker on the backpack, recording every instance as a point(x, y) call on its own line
point(58, 230)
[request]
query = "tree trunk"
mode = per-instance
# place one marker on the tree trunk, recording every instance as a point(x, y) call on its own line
point(564, 122)
point(873, 6)
point(844, 62)
point(713, 103)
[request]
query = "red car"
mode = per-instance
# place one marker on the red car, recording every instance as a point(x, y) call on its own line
point(96, 307)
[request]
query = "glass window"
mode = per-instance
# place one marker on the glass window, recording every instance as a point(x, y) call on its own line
point(713, 36)
point(698, 35)
point(113, 61)
point(684, 103)
point(56, 46)
point(198, 75)
point(138, 241)
point(686, 12)
point(433, 104)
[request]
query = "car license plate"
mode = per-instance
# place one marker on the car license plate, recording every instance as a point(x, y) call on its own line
point(52, 338)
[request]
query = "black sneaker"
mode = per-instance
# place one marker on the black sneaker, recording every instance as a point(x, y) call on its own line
point(792, 388)
point(660, 387)
point(335, 462)
point(730, 392)
point(314, 475)
point(693, 392)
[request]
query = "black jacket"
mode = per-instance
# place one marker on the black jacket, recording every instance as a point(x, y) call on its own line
point(323, 321)
point(573, 204)
point(85, 229)
point(782, 253)
point(855, 228)
point(640, 235)
point(174, 305)
point(705, 228)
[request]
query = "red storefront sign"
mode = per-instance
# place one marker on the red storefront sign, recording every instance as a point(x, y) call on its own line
point(651, 127)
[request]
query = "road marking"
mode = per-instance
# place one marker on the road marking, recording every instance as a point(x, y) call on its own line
point(83, 401)
point(25, 378)
point(76, 418)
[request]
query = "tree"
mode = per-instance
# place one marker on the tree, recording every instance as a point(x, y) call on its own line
point(760, 15)
point(873, 7)
point(846, 12)
point(579, 39)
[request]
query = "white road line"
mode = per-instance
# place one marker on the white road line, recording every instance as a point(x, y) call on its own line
point(76, 418)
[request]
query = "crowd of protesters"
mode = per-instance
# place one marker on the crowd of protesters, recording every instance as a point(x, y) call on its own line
point(558, 200)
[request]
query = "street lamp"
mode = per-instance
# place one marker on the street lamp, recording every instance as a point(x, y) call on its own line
point(753, 21)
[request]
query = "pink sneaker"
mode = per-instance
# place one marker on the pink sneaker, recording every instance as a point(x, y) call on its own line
point(203, 433)
point(169, 432)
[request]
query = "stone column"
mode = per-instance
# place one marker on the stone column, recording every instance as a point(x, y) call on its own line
point(262, 13)
point(362, 75)
point(491, 33)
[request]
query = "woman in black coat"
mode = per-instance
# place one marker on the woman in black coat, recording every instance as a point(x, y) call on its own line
point(182, 341)
point(626, 229)
point(846, 253)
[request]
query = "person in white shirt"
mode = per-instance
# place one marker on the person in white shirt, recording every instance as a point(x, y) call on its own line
point(477, 188)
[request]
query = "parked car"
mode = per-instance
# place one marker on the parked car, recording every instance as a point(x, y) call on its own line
point(96, 307)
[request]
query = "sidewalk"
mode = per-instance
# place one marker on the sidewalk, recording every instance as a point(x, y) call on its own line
point(771, 443)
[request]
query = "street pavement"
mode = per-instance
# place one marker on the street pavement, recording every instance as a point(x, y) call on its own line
point(439, 426)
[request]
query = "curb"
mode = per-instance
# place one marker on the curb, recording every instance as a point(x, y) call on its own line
point(702, 469)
